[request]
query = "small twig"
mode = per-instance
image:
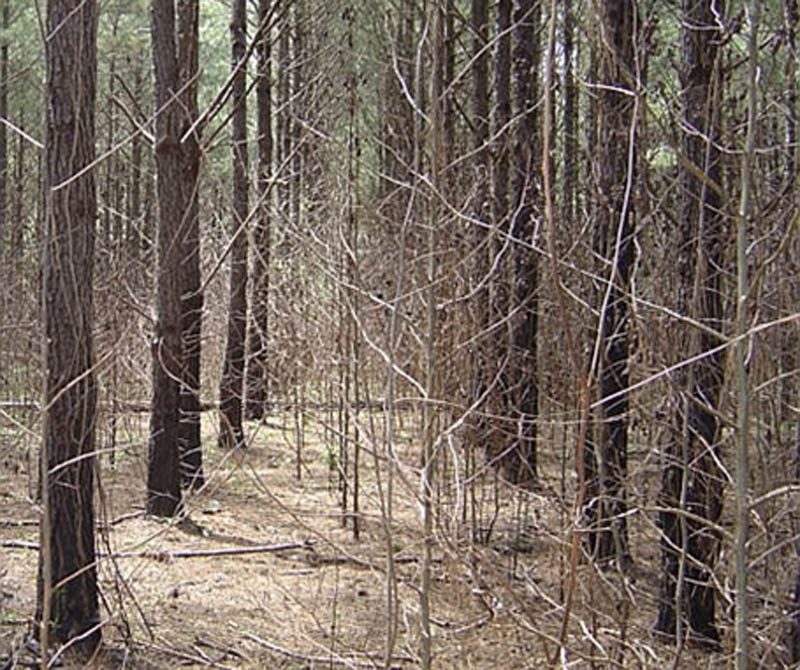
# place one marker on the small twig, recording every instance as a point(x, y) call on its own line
point(190, 658)
point(20, 523)
point(331, 660)
point(19, 544)
point(14, 523)
point(124, 517)
point(230, 651)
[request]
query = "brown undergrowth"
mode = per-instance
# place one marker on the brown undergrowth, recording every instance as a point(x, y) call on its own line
point(262, 572)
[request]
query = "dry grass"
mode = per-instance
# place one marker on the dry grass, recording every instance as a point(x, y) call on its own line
point(323, 603)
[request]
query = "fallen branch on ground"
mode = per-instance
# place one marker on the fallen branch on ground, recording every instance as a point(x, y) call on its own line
point(14, 523)
point(20, 523)
point(167, 555)
point(330, 660)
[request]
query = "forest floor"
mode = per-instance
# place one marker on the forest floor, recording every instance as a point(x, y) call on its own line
point(262, 572)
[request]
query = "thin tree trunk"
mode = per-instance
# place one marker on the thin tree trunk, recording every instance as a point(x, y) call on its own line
point(231, 387)
point(500, 437)
point(258, 329)
point(790, 22)
point(17, 232)
point(67, 583)
point(569, 165)
point(790, 15)
point(523, 367)
point(135, 233)
point(438, 162)
point(481, 167)
point(741, 350)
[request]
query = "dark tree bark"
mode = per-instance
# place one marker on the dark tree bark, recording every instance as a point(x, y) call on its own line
point(173, 194)
point(257, 368)
point(569, 164)
point(66, 561)
point(789, 342)
point(190, 454)
point(502, 115)
point(523, 383)
point(450, 42)
point(231, 387)
point(606, 455)
point(790, 18)
point(136, 236)
point(499, 436)
point(479, 316)
point(692, 481)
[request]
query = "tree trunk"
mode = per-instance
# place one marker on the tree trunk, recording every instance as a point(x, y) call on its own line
point(606, 456)
point(692, 481)
point(257, 368)
point(67, 584)
point(173, 194)
point(523, 384)
point(790, 18)
point(569, 172)
point(17, 231)
point(231, 387)
point(136, 241)
point(481, 166)
point(499, 437)
point(190, 454)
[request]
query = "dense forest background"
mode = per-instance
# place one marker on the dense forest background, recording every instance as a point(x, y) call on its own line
point(516, 282)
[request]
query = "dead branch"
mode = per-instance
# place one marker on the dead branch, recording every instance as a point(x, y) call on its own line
point(331, 660)
point(18, 523)
point(168, 555)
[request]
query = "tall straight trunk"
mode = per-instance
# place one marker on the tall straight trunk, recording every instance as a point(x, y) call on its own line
point(231, 386)
point(499, 437)
point(692, 481)
point(607, 455)
point(191, 455)
point(284, 123)
point(257, 332)
point(502, 115)
point(450, 42)
point(790, 18)
point(135, 233)
point(173, 195)
point(523, 383)
point(742, 648)
point(569, 164)
point(17, 225)
point(479, 21)
point(481, 167)
point(112, 165)
point(437, 161)
point(789, 341)
point(67, 579)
